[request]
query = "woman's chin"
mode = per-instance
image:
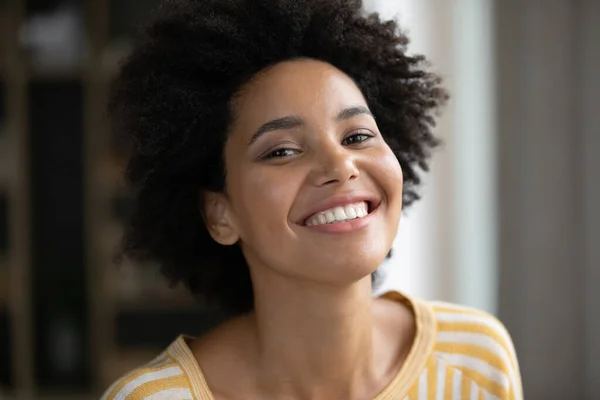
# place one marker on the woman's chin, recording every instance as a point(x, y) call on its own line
point(348, 269)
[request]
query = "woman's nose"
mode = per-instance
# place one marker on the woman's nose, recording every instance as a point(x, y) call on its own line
point(335, 164)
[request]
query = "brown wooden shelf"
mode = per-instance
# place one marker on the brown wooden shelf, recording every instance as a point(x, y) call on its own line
point(4, 281)
point(103, 181)
point(84, 71)
point(3, 32)
point(7, 161)
point(5, 183)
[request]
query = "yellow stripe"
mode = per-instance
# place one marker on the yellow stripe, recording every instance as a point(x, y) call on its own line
point(473, 351)
point(149, 388)
point(465, 388)
point(473, 327)
point(492, 319)
point(462, 310)
point(494, 329)
point(413, 393)
point(483, 382)
point(136, 374)
point(431, 379)
point(511, 393)
point(125, 380)
point(183, 354)
point(448, 383)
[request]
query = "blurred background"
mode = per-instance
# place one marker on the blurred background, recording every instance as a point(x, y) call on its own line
point(509, 221)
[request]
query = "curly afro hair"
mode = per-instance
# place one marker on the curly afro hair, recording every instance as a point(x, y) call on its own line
point(173, 98)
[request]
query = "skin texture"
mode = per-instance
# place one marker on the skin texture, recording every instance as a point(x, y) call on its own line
point(315, 332)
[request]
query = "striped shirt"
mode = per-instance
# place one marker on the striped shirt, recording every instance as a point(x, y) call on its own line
point(458, 353)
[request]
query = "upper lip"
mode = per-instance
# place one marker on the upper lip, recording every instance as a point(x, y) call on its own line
point(342, 200)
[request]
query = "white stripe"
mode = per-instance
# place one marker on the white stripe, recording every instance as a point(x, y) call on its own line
point(145, 378)
point(441, 380)
point(474, 391)
point(171, 394)
point(423, 385)
point(483, 341)
point(493, 324)
point(477, 339)
point(457, 384)
point(479, 319)
point(157, 362)
point(478, 366)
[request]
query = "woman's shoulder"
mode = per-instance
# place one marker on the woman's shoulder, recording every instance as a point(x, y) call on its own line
point(466, 322)
point(449, 317)
point(162, 378)
point(478, 345)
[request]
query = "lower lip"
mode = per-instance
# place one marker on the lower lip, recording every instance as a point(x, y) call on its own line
point(345, 227)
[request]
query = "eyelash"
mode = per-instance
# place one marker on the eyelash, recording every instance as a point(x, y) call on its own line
point(365, 135)
point(271, 154)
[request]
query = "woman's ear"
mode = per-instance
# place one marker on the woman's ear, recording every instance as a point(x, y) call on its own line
point(218, 218)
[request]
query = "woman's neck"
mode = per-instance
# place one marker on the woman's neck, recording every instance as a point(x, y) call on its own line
point(315, 341)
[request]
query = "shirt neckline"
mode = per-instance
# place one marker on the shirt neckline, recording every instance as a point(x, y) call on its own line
point(415, 362)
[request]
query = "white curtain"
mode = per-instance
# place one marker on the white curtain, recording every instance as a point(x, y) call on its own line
point(446, 246)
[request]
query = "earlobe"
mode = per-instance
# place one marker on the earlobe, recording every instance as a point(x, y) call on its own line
point(217, 217)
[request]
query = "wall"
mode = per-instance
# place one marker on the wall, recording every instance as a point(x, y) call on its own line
point(446, 246)
point(549, 219)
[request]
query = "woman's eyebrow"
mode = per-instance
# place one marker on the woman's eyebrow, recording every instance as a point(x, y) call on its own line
point(289, 122)
point(294, 121)
point(350, 112)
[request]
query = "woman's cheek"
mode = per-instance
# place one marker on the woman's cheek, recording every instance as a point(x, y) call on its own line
point(268, 195)
point(390, 169)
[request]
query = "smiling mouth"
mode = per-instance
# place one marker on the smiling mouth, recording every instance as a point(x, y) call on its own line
point(340, 214)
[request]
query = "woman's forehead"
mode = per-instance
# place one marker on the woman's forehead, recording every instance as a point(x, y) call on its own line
point(297, 87)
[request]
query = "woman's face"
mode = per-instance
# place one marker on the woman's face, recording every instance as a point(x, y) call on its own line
point(313, 190)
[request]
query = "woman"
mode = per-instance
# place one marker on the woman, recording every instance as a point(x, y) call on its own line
point(274, 145)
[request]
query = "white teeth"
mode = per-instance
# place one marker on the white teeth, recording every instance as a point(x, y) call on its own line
point(321, 219)
point(339, 214)
point(330, 216)
point(361, 212)
point(351, 212)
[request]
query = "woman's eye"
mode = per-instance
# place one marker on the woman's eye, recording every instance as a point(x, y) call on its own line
point(356, 138)
point(280, 153)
